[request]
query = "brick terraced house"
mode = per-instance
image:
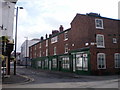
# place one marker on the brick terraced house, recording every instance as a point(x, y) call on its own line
point(90, 46)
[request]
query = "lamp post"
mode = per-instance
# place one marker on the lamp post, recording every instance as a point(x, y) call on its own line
point(26, 49)
point(16, 38)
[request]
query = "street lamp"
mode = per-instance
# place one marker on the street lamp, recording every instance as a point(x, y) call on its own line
point(26, 49)
point(16, 38)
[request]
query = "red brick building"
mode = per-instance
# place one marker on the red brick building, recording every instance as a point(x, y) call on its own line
point(90, 46)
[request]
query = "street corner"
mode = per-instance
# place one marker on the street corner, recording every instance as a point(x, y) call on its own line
point(17, 79)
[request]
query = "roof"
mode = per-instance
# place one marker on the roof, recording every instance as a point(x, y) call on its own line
point(94, 15)
point(52, 36)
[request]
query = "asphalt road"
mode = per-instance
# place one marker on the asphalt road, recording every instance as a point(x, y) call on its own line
point(41, 79)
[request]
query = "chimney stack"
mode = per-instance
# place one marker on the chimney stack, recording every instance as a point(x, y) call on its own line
point(46, 36)
point(42, 38)
point(61, 28)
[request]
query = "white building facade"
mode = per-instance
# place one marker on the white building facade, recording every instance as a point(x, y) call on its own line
point(7, 8)
point(25, 51)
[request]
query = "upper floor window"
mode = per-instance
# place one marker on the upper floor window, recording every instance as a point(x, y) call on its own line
point(55, 51)
point(101, 62)
point(40, 53)
point(46, 43)
point(114, 40)
point(35, 47)
point(100, 41)
point(66, 35)
point(99, 23)
point(54, 39)
point(117, 60)
point(46, 52)
point(66, 48)
point(40, 45)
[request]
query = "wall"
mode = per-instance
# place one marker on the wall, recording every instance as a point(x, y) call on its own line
point(7, 19)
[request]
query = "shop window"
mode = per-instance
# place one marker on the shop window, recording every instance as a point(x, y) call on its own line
point(65, 63)
point(54, 63)
point(39, 63)
point(46, 63)
point(82, 61)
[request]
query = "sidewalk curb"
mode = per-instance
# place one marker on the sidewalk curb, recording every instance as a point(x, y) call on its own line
point(27, 80)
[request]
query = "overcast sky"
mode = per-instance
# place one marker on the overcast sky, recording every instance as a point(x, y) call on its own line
point(42, 16)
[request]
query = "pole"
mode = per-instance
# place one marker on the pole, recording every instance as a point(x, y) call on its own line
point(26, 49)
point(15, 41)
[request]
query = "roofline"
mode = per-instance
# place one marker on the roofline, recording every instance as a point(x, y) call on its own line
point(99, 16)
point(52, 36)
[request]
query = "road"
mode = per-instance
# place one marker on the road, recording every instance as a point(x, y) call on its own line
point(52, 80)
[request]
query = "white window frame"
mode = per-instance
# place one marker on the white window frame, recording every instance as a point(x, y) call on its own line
point(97, 24)
point(54, 63)
point(46, 63)
point(39, 63)
point(114, 40)
point(46, 43)
point(98, 42)
point(65, 62)
point(55, 50)
point(117, 60)
point(66, 48)
point(40, 53)
point(54, 39)
point(35, 47)
point(46, 52)
point(104, 62)
point(66, 35)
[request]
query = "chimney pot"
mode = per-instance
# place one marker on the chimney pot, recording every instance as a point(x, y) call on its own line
point(61, 28)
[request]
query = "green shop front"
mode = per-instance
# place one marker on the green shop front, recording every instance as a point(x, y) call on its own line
point(77, 61)
point(81, 61)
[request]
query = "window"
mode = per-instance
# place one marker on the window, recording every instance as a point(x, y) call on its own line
point(40, 45)
point(101, 63)
point(65, 62)
point(100, 41)
point(99, 23)
point(40, 53)
point(39, 63)
point(35, 47)
point(114, 40)
point(54, 50)
point(82, 61)
point(117, 60)
point(66, 35)
point(46, 63)
point(54, 63)
point(54, 39)
point(46, 43)
point(66, 48)
point(46, 52)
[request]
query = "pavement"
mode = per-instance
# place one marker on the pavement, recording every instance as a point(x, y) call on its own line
point(21, 79)
point(15, 79)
